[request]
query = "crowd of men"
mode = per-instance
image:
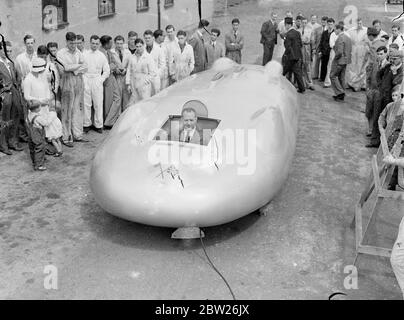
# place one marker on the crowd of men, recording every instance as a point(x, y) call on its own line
point(90, 87)
point(52, 96)
point(357, 58)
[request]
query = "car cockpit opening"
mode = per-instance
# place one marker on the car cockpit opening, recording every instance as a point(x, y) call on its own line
point(193, 126)
point(173, 130)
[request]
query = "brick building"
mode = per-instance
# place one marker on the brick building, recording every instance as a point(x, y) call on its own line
point(49, 20)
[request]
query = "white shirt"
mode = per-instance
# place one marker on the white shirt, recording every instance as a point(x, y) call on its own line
point(126, 54)
point(159, 59)
point(5, 62)
point(36, 88)
point(70, 60)
point(399, 41)
point(43, 119)
point(170, 46)
point(141, 70)
point(183, 62)
point(333, 39)
point(23, 64)
point(97, 64)
point(188, 134)
point(381, 34)
point(313, 26)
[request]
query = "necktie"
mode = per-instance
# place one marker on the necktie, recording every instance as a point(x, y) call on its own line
point(235, 35)
point(149, 49)
point(213, 44)
point(186, 136)
point(120, 55)
point(303, 31)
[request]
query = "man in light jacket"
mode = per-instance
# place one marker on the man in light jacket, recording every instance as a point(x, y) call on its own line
point(343, 57)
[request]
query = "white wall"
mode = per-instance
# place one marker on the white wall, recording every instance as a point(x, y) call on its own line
point(20, 17)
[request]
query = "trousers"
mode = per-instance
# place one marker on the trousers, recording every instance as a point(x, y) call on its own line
point(11, 111)
point(268, 52)
point(323, 68)
point(37, 145)
point(337, 77)
point(71, 106)
point(93, 95)
point(397, 257)
point(294, 67)
point(373, 100)
point(378, 109)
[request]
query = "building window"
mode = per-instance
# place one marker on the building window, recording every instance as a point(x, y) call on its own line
point(142, 5)
point(54, 14)
point(106, 8)
point(168, 3)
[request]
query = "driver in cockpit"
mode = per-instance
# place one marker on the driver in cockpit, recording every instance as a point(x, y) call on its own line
point(190, 132)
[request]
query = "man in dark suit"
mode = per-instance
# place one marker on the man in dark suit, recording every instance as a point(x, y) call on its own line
point(292, 58)
point(343, 57)
point(324, 49)
point(190, 132)
point(316, 35)
point(11, 105)
point(269, 32)
point(197, 42)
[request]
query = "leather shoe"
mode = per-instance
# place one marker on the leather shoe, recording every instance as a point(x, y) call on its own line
point(86, 129)
point(339, 97)
point(372, 145)
point(16, 147)
point(6, 151)
point(81, 140)
point(68, 144)
point(301, 91)
point(99, 130)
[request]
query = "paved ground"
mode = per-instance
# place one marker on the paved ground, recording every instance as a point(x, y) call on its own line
point(297, 251)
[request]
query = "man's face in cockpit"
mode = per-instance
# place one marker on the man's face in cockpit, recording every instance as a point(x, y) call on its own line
point(189, 119)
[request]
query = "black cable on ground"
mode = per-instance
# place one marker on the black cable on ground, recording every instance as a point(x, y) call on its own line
point(213, 266)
